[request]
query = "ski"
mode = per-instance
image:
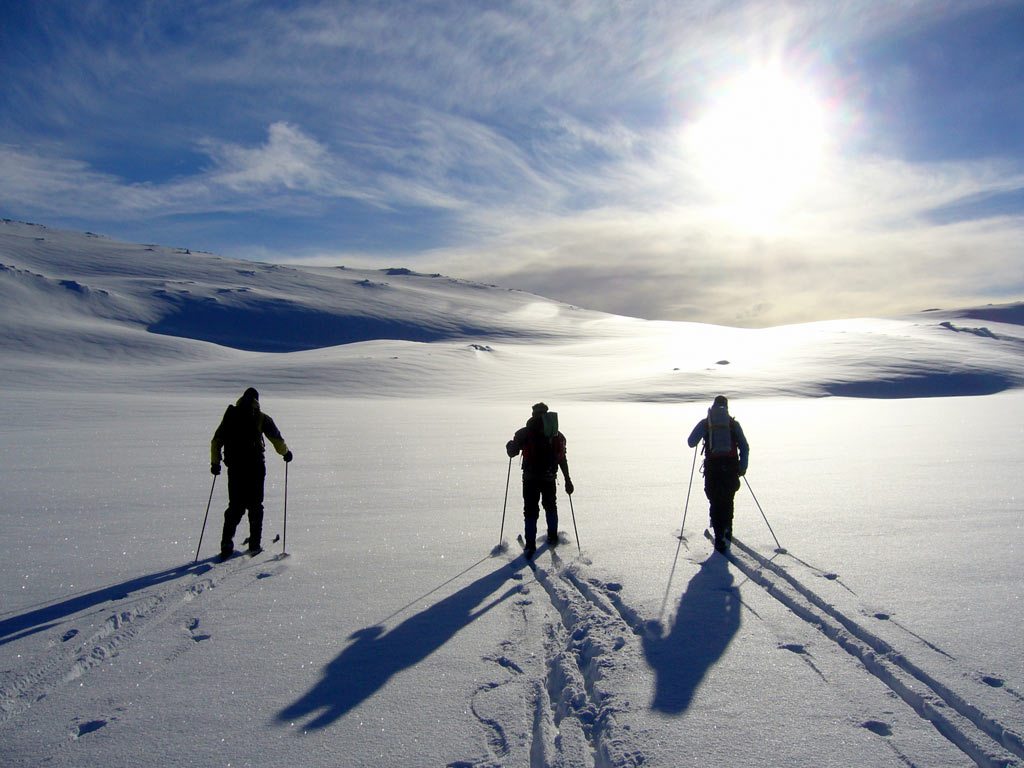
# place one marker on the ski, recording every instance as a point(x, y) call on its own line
point(277, 538)
point(531, 555)
point(711, 537)
point(238, 553)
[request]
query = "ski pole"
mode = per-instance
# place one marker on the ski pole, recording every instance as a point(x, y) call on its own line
point(575, 529)
point(505, 507)
point(689, 487)
point(208, 502)
point(780, 548)
point(284, 542)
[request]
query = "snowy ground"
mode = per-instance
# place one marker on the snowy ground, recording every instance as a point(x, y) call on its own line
point(396, 632)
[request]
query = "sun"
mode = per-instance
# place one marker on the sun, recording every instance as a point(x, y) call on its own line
point(759, 146)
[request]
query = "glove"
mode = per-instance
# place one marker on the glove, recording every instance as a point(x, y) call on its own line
point(569, 487)
point(510, 449)
point(287, 456)
point(215, 468)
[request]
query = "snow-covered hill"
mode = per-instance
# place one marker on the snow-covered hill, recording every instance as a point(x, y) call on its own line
point(80, 299)
point(400, 631)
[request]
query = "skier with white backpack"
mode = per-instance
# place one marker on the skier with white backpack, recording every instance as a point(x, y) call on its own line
point(726, 453)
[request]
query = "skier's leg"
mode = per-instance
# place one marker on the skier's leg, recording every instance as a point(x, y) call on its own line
point(549, 498)
point(255, 504)
point(717, 497)
point(531, 510)
point(729, 504)
point(233, 514)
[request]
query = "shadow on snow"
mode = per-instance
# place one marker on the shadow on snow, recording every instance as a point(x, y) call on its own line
point(707, 620)
point(375, 655)
point(48, 616)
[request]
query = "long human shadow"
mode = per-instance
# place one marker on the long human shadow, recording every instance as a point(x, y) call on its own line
point(375, 656)
point(706, 622)
point(40, 619)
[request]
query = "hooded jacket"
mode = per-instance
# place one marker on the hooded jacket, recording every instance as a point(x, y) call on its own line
point(241, 432)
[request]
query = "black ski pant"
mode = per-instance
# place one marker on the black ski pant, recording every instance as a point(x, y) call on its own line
point(245, 494)
point(721, 481)
point(539, 490)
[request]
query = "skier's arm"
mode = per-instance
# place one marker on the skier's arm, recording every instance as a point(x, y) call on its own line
point(216, 447)
point(217, 444)
point(563, 463)
point(699, 433)
point(273, 434)
point(744, 447)
point(515, 445)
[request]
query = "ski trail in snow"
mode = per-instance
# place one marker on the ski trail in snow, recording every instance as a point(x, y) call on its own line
point(560, 699)
point(591, 643)
point(922, 682)
point(76, 654)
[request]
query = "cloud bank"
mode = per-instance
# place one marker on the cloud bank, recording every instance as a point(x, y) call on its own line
point(541, 147)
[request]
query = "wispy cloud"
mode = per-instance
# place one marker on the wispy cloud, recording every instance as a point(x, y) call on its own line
point(541, 145)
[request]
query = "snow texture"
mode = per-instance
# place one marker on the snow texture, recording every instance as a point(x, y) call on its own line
point(881, 628)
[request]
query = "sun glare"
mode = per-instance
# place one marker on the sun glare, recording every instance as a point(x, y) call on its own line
point(758, 146)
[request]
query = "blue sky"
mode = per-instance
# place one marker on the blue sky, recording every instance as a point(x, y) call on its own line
point(744, 163)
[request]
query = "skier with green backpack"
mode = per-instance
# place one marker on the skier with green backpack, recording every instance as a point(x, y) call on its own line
point(726, 453)
point(543, 450)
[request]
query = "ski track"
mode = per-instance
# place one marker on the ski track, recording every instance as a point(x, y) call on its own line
point(981, 735)
point(558, 703)
point(584, 649)
point(65, 661)
point(577, 718)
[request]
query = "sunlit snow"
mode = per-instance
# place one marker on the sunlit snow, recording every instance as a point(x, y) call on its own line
point(882, 629)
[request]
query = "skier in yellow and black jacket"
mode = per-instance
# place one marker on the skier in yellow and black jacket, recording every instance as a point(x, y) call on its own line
point(240, 437)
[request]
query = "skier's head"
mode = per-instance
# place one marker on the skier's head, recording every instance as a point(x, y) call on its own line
point(251, 394)
point(721, 402)
point(539, 408)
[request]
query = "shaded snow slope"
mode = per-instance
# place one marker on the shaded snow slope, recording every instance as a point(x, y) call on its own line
point(178, 319)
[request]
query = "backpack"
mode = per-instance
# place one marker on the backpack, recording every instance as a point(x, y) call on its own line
point(547, 451)
point(719, 442)
point(244, 433)
point(550, 424)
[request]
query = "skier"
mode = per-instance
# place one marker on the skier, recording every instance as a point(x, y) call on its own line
point(240, 435)
point(543, 449)
point(726, 453)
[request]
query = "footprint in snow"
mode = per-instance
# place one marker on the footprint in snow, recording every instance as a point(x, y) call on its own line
point(192, 626)
point(87, 727)
point(877, 727)
point(68, 635)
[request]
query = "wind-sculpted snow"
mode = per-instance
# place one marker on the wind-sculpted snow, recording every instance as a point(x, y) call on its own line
point(183, 316)
point(252, 306)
